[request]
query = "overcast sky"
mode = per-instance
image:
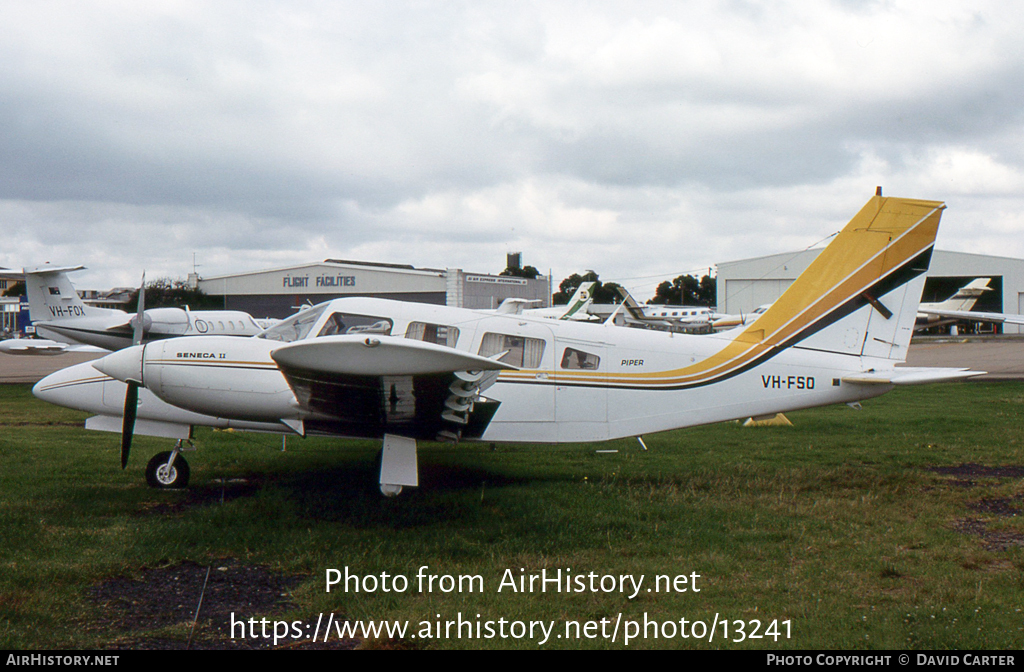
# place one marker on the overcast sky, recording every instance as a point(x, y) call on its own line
point(638, 139)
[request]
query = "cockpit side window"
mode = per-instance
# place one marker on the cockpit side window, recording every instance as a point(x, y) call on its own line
point(433, 333)
point(577, 359)
point(348, 323)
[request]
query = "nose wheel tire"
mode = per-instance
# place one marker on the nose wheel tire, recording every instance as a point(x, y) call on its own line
point(159, 475)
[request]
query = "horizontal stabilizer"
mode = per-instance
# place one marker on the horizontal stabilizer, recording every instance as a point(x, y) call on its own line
point(47, 269)
point(515, 306)
point(359, 355)
point(910, 375)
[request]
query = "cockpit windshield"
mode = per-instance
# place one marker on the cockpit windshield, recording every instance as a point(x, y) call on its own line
point(296, 327)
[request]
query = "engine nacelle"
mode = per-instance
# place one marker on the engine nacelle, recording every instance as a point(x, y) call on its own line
point(221, 376)
point(171, 321)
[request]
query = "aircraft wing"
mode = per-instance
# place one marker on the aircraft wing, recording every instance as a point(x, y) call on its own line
point(42, 346)
point(32, 346)
point(368, 385)
point(975, 316)
point(910, 375)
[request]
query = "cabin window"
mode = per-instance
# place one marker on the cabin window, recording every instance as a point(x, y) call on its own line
point(441, 334)
point(577, 359)
point(296, 327)
point(347, 323)
point(519, 350)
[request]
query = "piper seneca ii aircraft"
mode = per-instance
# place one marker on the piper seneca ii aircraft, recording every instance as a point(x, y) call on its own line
point(406, 372)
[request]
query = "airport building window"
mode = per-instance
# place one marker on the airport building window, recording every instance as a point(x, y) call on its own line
point(519, 350)
point(433, 333)
point(577, 359)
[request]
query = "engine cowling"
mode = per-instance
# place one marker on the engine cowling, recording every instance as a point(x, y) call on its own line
point(219, 375)
point(170, 321)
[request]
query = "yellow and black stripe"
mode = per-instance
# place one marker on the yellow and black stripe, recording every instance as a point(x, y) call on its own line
point(888, 243)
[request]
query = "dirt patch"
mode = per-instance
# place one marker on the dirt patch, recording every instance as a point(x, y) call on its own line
point(165, 597)
point(980, 471)
point(992, 540)
point(1006, 507)
point(217, 491)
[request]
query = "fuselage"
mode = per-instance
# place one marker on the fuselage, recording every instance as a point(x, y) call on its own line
point(575, 382)
point(114, 329)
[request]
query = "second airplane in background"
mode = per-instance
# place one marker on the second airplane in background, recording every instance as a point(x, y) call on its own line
point(66, 322)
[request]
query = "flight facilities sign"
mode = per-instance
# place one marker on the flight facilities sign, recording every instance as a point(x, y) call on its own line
point(320, 281)
point(329, 280)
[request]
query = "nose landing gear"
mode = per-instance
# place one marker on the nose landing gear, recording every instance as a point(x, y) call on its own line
point(169, 470)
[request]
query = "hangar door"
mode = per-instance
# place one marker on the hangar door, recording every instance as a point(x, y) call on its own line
point(744, 296)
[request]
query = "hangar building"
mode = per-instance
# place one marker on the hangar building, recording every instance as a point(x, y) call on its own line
point(13, 309)
point(279, 292)
point(748, 283)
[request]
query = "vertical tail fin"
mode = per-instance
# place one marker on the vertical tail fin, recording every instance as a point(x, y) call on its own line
point(579, 302)
point(634, 308)
point(966, 296)
point(860, 296)
point(51, 296)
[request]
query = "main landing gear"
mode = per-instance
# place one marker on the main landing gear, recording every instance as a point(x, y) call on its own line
point(398, 465)
point(169, 470)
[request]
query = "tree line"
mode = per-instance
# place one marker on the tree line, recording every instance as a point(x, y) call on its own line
point(684, 290)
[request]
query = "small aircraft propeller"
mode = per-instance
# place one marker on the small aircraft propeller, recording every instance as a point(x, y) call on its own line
point(131, 404)
point(131, 397)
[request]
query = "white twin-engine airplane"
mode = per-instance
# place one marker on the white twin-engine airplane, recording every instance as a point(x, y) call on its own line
point(59, 314)
point(404, 372)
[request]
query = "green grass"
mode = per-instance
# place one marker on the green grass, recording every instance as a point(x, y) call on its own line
point(835, 524)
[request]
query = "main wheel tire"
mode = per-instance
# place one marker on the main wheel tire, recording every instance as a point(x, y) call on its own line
point(158, 475)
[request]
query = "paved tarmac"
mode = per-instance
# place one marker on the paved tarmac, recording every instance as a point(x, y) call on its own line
point(1002, 357)
point(32, 368)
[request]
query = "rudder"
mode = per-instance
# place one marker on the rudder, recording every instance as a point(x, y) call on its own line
point(860, 296)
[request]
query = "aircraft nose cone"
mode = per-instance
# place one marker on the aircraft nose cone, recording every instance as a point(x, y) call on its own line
point(124, 365)
point(44, 389)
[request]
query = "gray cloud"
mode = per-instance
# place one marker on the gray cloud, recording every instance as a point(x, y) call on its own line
point(633, 139)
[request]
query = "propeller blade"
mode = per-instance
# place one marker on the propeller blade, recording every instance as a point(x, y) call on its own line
point(131, 409)
point(140, 315)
